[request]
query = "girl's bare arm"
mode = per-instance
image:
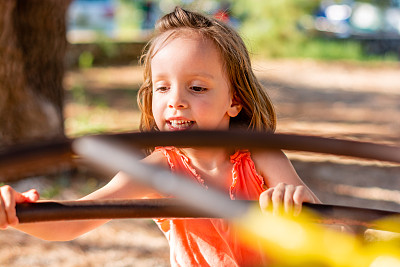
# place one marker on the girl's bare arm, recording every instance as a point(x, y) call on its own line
point(120, 187)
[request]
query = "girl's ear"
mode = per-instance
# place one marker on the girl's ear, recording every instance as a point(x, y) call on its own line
point(235, 107)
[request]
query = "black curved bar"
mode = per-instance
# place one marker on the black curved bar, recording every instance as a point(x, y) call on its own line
point(104, 209)
point(53, 152)
point(258, 140)
point(57, 151)
point(173, 208)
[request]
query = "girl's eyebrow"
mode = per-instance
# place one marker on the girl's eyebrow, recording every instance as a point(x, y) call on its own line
point(197, 74)
point(204, 74)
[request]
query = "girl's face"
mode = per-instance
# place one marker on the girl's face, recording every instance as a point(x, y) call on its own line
point(190, 88)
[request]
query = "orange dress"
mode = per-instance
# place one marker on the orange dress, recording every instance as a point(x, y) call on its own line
point(212, 242)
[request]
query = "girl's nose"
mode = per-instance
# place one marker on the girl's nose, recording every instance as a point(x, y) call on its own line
point(177, 99)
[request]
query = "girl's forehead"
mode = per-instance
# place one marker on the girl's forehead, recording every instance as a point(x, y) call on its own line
point(190, 50)
point(178, 36)
point(187, 53)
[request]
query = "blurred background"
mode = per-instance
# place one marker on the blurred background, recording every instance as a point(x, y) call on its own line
point(345, 34)
point(308, 28)
point(331, 68)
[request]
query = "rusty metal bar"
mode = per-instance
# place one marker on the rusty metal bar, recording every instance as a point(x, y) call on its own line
point(174, 208)
point(259, 141)
point(104, 209)
point(29, 156)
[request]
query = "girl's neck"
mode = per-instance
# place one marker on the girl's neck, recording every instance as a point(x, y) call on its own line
point(207, 159)
point(212, 164)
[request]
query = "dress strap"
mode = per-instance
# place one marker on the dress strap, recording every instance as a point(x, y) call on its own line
point(244, 173)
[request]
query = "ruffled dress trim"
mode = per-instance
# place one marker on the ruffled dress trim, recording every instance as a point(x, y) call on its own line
point(237, 159)
point(185, 161)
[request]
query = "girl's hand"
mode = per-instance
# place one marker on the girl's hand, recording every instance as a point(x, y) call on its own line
point(287, 198)
point(8, 199)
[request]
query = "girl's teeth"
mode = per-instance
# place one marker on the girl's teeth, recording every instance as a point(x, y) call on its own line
point(180, 123)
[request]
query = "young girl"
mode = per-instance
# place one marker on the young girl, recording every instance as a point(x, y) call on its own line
point(197, 76)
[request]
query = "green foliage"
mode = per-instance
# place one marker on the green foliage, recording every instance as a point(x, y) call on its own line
point(85, 60)
point(107, 47)
point(51, 192)
point(271, 26)
point(78, 93)
point(271, 29)
point(60, 183)
point(328, 49)
point(128, 16)
point(90, 185)
point(91, 121)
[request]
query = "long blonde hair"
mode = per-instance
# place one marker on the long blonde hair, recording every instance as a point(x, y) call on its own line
point(257, 112)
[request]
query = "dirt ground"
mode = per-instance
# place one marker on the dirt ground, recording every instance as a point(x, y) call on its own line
point(344, 100)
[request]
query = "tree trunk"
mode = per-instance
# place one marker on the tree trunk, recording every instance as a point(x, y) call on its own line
point(32, 48)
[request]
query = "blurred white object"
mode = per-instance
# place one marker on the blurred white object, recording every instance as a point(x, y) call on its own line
point(338, 12)
point(366, 17)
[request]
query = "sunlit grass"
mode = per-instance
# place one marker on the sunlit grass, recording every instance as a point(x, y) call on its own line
point(84, 119)
point(322, 49)
point(93, 103)
point(329, 49)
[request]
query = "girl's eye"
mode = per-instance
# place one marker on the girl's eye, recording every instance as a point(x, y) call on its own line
point(198, 88)
point(162, 88)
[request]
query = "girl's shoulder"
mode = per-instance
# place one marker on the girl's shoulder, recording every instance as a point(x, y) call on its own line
point(260, 158)
point(157, 157)
point(268, 157)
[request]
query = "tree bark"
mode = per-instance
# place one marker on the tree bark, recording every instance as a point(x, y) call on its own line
point(32, 49)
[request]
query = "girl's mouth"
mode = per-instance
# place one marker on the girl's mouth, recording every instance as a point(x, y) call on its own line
point(180, 125)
